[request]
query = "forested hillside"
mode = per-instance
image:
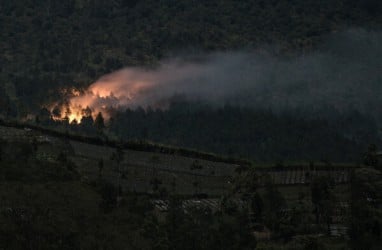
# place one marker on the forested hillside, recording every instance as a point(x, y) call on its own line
point(51, 45)
point(59, 43)
point(253, 134)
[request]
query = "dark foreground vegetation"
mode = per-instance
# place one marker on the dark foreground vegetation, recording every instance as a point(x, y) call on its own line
point(48, 204)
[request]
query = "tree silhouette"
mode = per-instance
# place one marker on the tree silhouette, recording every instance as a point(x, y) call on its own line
point(195, 166)
point(99, 122)
point(1, 149)
point(155, 182)
point(322, 199)
point(370, 158)
point(100, 167)
point(118, 157)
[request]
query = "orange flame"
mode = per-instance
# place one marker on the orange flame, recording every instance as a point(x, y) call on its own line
point(106, 93)
point(129, 87)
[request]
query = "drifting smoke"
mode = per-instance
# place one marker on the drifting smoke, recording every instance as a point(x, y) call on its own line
point(345, 73)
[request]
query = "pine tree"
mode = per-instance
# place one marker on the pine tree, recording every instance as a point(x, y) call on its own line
point(99, 122)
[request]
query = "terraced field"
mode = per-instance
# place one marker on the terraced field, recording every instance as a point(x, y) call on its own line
point(160, 173)
point(303, 175)
point(148, 172)
point(138, 170)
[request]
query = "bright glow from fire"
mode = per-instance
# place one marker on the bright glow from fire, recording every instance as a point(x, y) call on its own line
point(239, 78)
point(119, 89)
point(137, 87)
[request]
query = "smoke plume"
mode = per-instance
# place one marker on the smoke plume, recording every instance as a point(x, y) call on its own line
point(344, 73)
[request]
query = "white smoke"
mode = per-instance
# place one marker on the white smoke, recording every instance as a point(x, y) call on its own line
point(345, 73)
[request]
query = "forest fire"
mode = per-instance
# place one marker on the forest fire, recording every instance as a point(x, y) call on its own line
point(125, 88)
point(112, 91)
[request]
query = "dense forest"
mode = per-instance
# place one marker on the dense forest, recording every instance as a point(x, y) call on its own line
point(52, 44)
point(259, 135)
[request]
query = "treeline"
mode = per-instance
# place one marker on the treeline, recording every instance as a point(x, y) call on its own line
point(236, 132)
point(261, 135)
point(93, 136)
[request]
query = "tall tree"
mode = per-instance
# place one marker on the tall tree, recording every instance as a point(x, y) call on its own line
point(99, 122)
point(365, 209)
point(322, 199)
point(274, 206)
point(118, 157)
point(370, 158)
